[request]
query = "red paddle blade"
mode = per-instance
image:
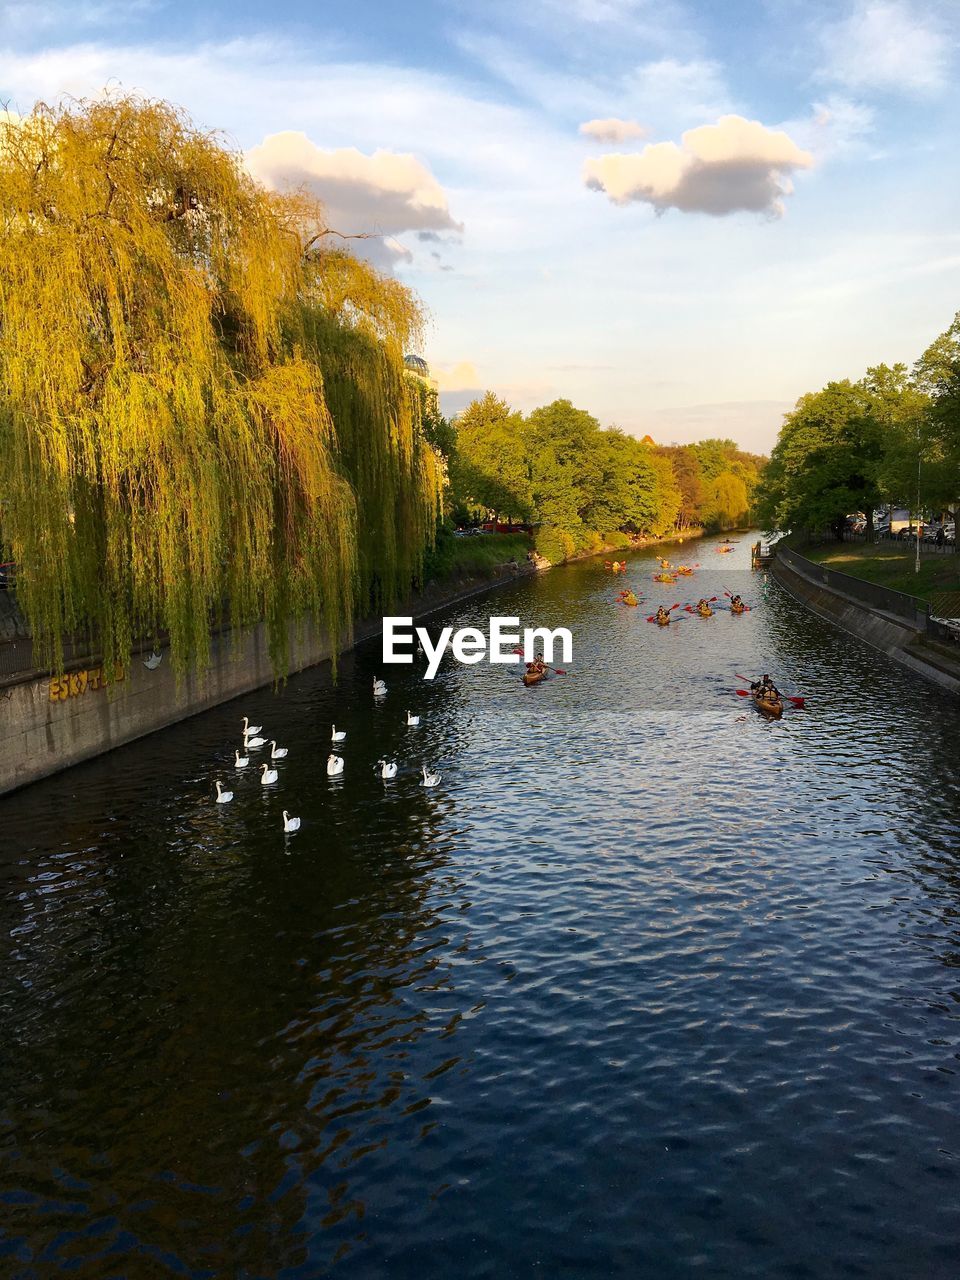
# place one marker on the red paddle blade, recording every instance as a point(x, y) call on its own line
point(651, 618)
point(797, 702)
point(742, 693)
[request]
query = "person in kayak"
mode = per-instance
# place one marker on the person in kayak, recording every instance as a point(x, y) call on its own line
point(765, 688)
point(662, 615)
point(736, 603)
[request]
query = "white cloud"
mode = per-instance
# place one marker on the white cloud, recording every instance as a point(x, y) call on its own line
point(735, 164)
point(886, 45)
point(613, 130)
point(461, 376)
point(385, 193)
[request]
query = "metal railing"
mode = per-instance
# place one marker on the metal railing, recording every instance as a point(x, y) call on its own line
point(911, 608)
point(926, 547)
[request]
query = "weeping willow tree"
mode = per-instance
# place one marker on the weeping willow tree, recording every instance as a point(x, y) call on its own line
point(204, 415)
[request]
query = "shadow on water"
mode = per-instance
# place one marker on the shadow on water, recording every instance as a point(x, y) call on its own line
point(646, 986)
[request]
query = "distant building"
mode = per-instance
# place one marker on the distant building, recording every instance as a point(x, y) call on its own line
point(648, 440)
point(418, 368)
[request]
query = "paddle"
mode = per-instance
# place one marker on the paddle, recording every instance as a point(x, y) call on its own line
point(556, 670)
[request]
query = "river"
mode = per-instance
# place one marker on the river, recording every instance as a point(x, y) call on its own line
point(647, 986)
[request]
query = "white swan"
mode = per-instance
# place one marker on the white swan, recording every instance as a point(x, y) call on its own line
point(337, 735)
point(387, 768)
point(153, 661)
point(277, 753)
point(290, 824)
point(379, 687)
point(241, 761)
point(430, 779)
point(334, 765)
point(223, 797)
point(412, 720)
point(250, 729)
point(253, 744)
point(267, 775)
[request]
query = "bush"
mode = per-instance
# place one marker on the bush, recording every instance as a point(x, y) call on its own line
point(555, 545)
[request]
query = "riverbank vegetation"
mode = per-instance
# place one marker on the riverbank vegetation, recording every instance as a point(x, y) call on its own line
point(890, 438)
point(205, 414)
point(586, 487)
point(893, 565)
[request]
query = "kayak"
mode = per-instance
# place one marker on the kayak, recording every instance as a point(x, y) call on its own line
point(534, 677)
point(706, 612)
point(685, 571)
point(663, 577)
point(738, 608)
point(772, 707)
point(630, 599)
point(663, 622)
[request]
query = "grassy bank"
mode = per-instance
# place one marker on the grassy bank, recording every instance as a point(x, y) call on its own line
point(891, 564)
point(466, 557)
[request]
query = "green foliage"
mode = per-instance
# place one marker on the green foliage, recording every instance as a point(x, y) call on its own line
point(488, 468)
point(204, 413)
point(555, 545)
point(937, 375)
point(853, 446)
point(688, 477)
point(826, 461)
point(584, 486)
point(452, 557)
point(725, 501)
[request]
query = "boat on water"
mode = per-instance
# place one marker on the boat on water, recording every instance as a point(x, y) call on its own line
point(664, 577)
point(738, 608)
point(534, 677)
point(772, 708)
point(705, 611)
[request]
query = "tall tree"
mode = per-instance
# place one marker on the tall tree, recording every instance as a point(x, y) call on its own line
point(489, 466)
point(204, 411)
point(827, 460)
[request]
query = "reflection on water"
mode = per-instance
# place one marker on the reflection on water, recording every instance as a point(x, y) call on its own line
point(647, 986)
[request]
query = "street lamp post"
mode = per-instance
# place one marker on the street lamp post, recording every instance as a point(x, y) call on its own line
point(916, 562)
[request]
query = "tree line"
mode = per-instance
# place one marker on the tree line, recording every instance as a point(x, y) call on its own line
point(890, 438)
point(584, 486)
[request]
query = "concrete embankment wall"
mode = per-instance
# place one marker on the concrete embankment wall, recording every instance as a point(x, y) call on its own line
point(50, 724)
point(900, 636)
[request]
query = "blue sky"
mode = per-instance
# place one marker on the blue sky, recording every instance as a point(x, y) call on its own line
point(765, 195)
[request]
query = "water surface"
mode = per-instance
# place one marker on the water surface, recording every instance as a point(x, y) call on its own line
point(647, 987)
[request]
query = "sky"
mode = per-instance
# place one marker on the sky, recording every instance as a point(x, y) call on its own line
point(679, 214)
